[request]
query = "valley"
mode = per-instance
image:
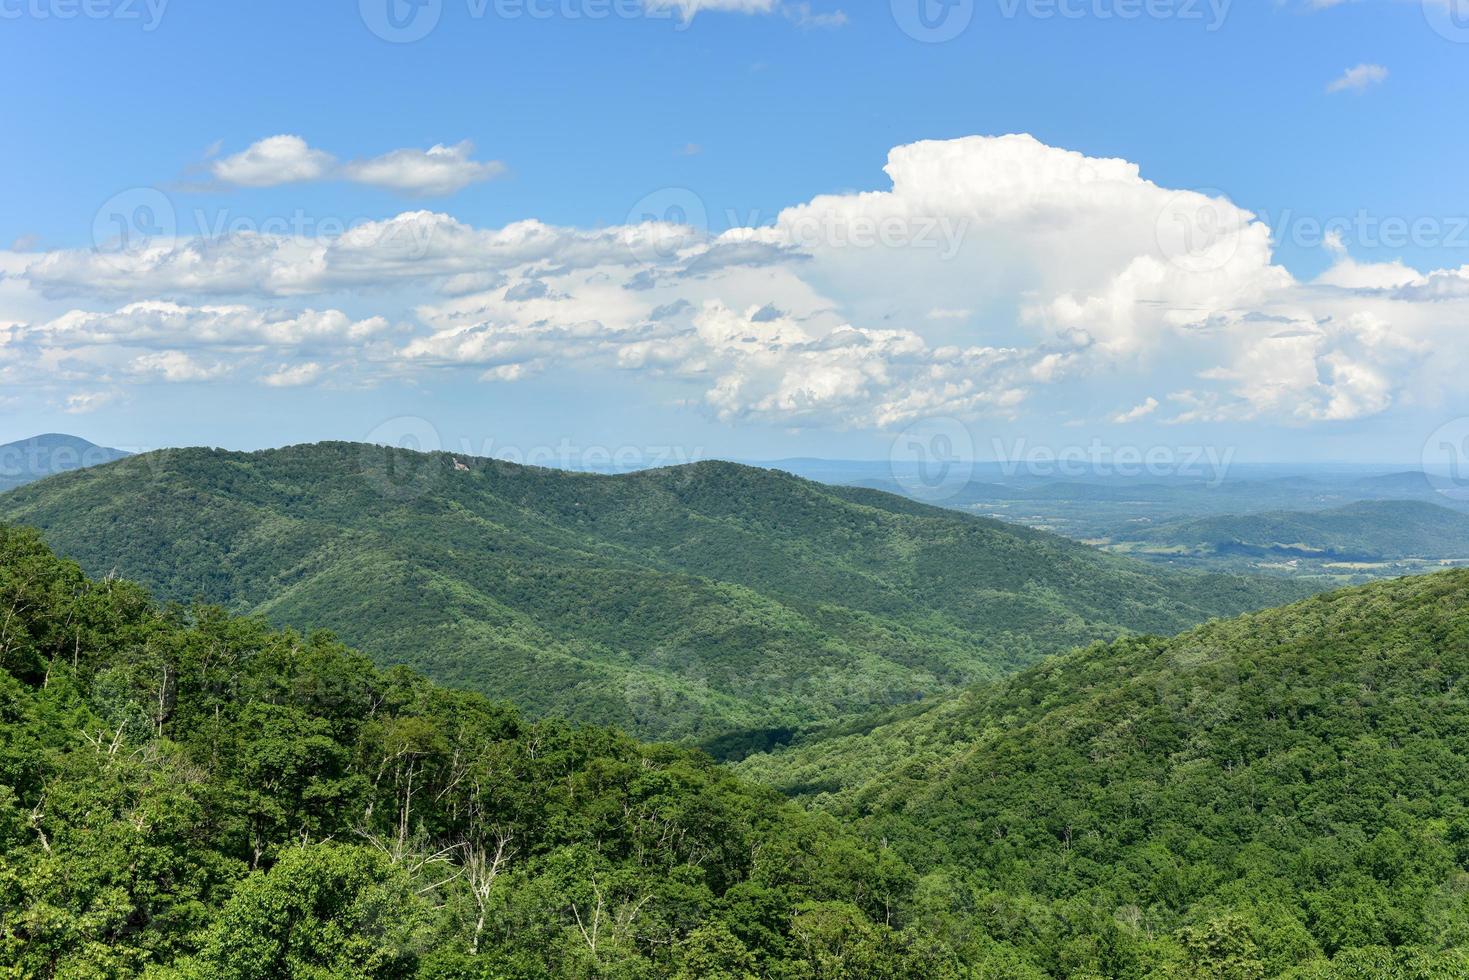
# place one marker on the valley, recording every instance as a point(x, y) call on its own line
point(718, 602)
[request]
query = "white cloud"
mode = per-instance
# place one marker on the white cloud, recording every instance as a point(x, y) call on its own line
point(165, 342)
point(1137, 412)
point(174, 366)
point(273, 161)
point(288, 159)
point(83, 402)
point(410, 247)
point(1358, 79)
point(688, 8)
point(803, 16)
point(991, 270)
point(436, 171)
point(293, 376)
point(170, 325)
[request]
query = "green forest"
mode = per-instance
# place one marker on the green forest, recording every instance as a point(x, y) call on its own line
point(1262, 794)
point(184, 794)
point(709, 601)
point(189, 794)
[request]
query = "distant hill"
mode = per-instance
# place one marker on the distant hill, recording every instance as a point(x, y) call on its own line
point(692, 601)
point(40, 456)
point(1413, 482)
point(1366, 531)
point(1270, 791)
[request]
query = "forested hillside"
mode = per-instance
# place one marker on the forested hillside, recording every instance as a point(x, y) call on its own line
point(199, 797)
point(1255, 796)
point(189, 795)
point(692, 601)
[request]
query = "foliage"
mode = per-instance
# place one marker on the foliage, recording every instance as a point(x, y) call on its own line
point(1282, 794)
point(190, 795)
point(695, 601)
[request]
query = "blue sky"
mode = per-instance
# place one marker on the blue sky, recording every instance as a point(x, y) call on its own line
point(1048, 324)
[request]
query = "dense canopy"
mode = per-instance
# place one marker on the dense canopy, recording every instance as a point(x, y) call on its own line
point(693, 601)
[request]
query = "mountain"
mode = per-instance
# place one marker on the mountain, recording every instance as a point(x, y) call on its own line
point(39, 456)
point(1367, 531)
point(1270, 791)
point(692, 601)
point(188, 796)
point(1410, 482)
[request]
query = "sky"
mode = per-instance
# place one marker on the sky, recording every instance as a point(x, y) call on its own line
point(742, 228)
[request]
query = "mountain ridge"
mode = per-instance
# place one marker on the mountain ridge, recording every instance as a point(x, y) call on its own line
point(685, 601)
point(1280, 787)
point(27, 460)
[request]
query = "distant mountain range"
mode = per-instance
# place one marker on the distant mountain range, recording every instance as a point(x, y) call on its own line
point(691, 601)
point(40, 456)
point(1367, 531)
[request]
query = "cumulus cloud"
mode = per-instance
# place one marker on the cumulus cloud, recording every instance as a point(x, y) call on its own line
point(173, 366)
point(288, 159)
point(991, 269)
point(437, 171)
point(411, 247)
point(1137, 412)
point(169, 325)
point(688, 8)
point(293, 376)
point(166, 342)
point(1358, 79)
point(83, 402)
point(274, 161)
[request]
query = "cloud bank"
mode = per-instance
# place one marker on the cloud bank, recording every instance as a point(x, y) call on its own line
point(989, 275)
